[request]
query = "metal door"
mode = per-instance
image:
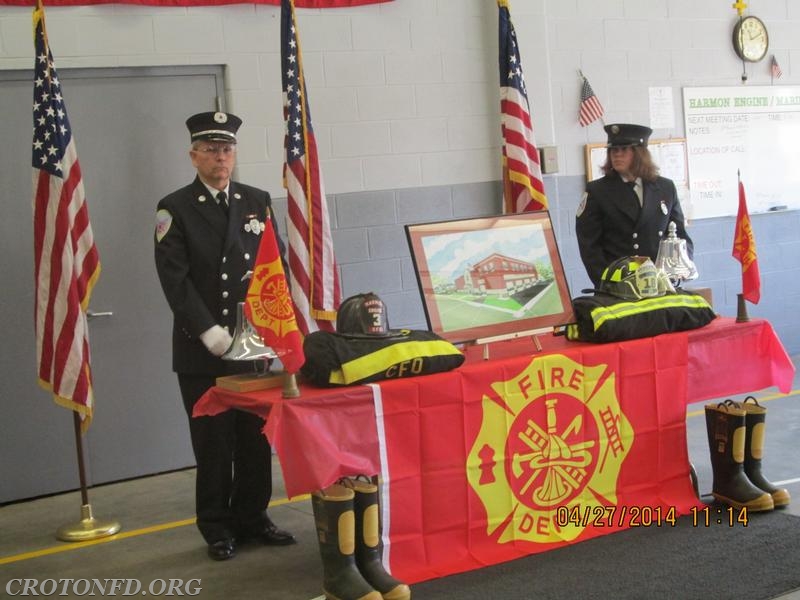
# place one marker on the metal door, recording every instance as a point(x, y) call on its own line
point(133, 149)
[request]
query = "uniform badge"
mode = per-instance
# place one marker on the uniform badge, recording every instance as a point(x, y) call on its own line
point(253, 225)
point(201, 198)
point(582, 205)
point(220, 117)
point(163, 222)
point(664, 208)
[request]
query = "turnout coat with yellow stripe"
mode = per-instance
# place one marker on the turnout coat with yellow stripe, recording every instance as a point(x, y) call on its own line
point(333, 359)
point(606, 318)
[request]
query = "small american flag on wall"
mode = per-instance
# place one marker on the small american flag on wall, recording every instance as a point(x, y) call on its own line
point(590, 109)
point(775, 68)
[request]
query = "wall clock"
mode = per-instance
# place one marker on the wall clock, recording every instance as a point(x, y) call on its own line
point(750, 39)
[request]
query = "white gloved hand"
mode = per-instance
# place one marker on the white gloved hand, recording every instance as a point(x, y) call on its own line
point(217, 340)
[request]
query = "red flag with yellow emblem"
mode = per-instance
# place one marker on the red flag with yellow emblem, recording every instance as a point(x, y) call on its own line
point(744, 250)
point(541, 452)
point(269, 307)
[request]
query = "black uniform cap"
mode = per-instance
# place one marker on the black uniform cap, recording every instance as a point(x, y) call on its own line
point(625, 134)
point(214, 127)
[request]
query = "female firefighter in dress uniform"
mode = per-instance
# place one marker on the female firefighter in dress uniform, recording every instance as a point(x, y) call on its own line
point(626, 212)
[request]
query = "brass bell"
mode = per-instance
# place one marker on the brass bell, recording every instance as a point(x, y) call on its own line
point(247, 343)
point(673, 258)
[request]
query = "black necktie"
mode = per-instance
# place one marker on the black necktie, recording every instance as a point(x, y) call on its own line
point(632, 185)
point(222, 200)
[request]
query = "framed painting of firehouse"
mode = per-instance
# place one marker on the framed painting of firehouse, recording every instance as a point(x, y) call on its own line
point(490, 278)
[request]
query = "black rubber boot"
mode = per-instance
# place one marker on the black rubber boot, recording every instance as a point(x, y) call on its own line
point(334, 519)
point(755, 424)
point(369, 543)
point(726, 433)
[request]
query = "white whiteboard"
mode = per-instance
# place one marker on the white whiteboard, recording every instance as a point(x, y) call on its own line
point(752, 129)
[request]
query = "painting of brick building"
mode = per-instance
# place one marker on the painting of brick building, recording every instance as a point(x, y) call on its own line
point(490, 275)
point(498, 275)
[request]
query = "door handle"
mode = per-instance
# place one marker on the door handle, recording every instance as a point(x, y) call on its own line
point(90, 314)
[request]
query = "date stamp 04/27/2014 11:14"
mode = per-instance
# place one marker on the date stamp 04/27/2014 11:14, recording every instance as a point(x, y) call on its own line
point(648, 516)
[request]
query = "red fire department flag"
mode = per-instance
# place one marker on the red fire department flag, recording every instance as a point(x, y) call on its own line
point(556, 450)
point(744, 250)
point(269, 306)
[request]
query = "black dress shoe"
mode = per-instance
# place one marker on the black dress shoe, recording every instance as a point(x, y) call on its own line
point(222, 550)
point(272, 536)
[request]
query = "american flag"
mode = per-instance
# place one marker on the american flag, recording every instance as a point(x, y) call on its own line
point(312, 265)
point(522, 170)
point(66, 260)
point(775, 68)
point(591, 109)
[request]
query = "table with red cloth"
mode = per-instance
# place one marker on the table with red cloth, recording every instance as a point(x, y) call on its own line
point(523, 450)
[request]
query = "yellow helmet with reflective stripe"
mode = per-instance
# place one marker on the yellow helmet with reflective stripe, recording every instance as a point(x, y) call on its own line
point(633, 278)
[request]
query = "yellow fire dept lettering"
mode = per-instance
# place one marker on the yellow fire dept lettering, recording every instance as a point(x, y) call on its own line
point(405, 368)
point(553, 436)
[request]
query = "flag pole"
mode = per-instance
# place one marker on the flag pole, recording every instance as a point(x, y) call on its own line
point(88, 528)
point(50, 172)
point(508, 203)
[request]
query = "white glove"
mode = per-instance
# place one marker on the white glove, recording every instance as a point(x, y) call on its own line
point(217, 340)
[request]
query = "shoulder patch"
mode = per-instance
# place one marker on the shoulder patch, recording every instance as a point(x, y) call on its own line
point(163, 222)
point(582, 205)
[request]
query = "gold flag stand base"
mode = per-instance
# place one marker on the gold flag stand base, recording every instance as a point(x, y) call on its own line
point(290, 389)
point(88, 528)
point(741, 309)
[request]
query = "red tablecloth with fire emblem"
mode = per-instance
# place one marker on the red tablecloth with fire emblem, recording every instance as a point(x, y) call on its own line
point(524, 451)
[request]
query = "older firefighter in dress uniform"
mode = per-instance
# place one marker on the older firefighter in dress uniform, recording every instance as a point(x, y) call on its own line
point(206, 240)
point(627, 211)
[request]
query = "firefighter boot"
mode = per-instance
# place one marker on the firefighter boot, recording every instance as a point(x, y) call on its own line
point(726, 432)
point(369, 543)
point(755, 426)
point(334, 520)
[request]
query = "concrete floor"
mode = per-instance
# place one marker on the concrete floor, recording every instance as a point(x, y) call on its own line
point(158, 541)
